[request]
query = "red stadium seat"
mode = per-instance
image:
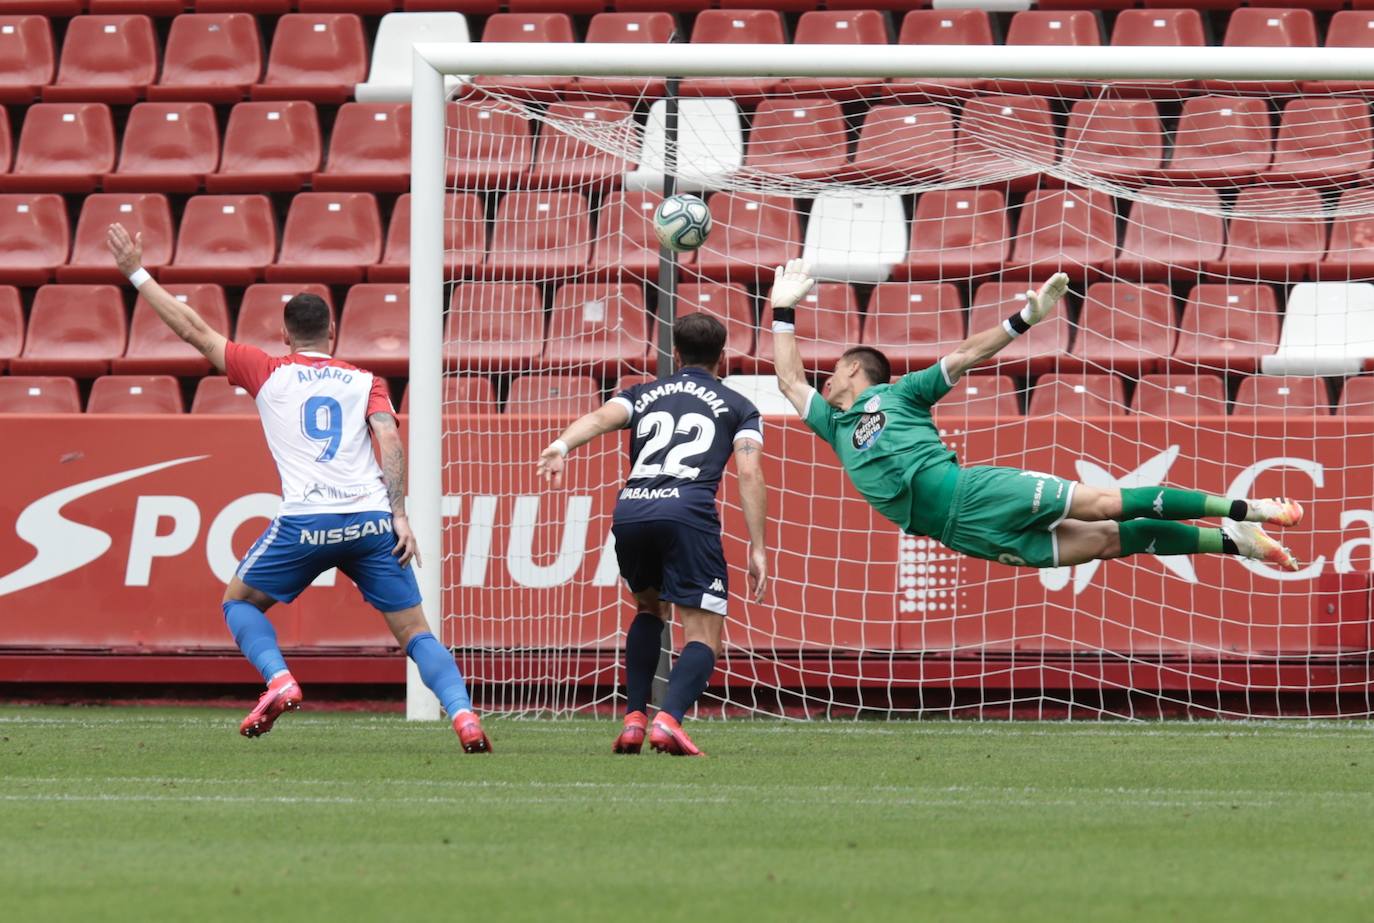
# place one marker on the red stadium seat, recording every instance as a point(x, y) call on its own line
point(494, 326)
point(940, 27)
point(539, 235)
point(733, 27)
point(837, 27)
point(827, 325)
point(1164, 241)
point(1129, 328)
point(625, 243)
point(34, 237)
point(465, 239)
point(38, 394)
point(260, 314)
point(626, 382)
point(1078, 396)
point(110, 59)
point(1052, 28)
point(215, 395)
point(1176, 27)
point(993, 127)
point(899, 144)
point(64, 147)
point(155, 350)
point(27, 60)
point(229, 239)
point(168, 147)
point(11, 325)
point(730, 304)
point(267, 7)
point(1267, 28)
point(1357, 396)
point(444, 6)
point(361, 7)
point(1117, 138)
point(802, 138)
point(319, 57)
point(975, 396)
point(1072, 230)
point(563, 396)
point(1322, 141)
point(135, 394)
point(563, 161)
point(1221, 139)
point(1174, 396)
point(369, 150)
point(215, 57)
point(1350, 253)
point(46, 7)
point(1347, 29)
point(329, 237)
point(1228, 327)
point(1043, 348)
point(914, 324)
point(145, 7)
point(957, 233)
point(140, 212)
point(488, 146)
point(1277, 396)
point(601, 324)
point(1281, 248)
point(529, 27)
point(73, 330)
point(654, 28)
point(751, 235)
point(374, 329)
point(462, 394)
point(268, 147)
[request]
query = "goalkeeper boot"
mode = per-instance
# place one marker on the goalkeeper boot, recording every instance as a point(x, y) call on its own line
point(1256, 544)
point(468, 727)
point(667, 736)
point(283, 694)
point(631, 739)
point(1277, 512)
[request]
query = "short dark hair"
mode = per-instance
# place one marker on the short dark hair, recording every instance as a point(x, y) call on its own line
point(306, 318)
point(872, 363)
point(699, 339)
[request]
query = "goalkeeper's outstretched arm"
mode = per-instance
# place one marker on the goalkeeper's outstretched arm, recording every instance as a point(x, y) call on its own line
point(985, 344)
point(790, 285)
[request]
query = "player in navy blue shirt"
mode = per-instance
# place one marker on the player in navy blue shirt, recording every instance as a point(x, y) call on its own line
point(683, 431)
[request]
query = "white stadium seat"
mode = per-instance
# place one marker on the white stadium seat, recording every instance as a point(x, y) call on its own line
point(1328, 330)
point(855, 237)
point(710, 146)
point(763, 391)
point(390, 77)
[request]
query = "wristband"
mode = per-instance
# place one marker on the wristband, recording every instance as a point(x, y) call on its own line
point(1015, 325)
point(139, 276)
point(559, 446)
point(782, 326)
point(785, 315)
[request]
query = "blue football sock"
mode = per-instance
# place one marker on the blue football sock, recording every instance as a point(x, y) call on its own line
point(255, 636)
point(439, 672)
point(688, 680)
point(643, 643)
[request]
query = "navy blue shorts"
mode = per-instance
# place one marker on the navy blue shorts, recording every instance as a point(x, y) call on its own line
point(296, 549)
point(685, 565)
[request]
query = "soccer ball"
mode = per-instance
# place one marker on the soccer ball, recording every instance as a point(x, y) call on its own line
point(682, 222)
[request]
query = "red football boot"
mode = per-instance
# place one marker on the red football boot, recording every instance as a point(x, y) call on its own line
point(470, 734)
point(667, 736)
point(631, 739)
point(283, 694)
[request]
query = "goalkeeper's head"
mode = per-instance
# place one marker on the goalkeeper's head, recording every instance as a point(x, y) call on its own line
point(698, 340)
point(859, 368)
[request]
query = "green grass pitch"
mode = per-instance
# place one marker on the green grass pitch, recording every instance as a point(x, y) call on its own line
point(167, 814)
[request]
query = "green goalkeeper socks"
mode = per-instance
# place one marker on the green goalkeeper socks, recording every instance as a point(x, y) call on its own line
point(1160, 538)
point(1172, 503)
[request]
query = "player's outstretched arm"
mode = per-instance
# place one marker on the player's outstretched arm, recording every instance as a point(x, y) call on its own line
point(393, 456)
point(607, 418)
point(790, 285)
point(985, 344)
point(184, 321)
point(753, 497)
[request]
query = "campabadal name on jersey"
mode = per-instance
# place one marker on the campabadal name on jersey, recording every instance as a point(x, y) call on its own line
point(711, 398)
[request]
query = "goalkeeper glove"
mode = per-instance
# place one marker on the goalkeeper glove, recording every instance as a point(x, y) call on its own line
point(1038, 305)
point(790, 285)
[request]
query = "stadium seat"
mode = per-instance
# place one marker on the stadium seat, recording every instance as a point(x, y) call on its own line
point(526, 28)
point(564, 161)
point(914, 324)
point(940, 27)
point(956, 234)
point(625, 245)
point(109, 59)
point(260, 314)
point(1322, 141)
point(1072, 230)
point(763, 393)
point(1164, 240)
point(135, 394)
point(6, 141)
point(140, 212)
point(361, 7)
point(34, 237)
point(268, 147)
point(1350, 254)
point(1221, 139)
point(1347, 29)
point(465, 239)
point(539, 235)
point(1273, 396)
point(1053, 28)
point(561, 396)
point(1043, 348)
point(494, 326)
point(145, 7)
point(656, 27)
point(1126, 327)
point(827, 325)
point(329, 237)
point(751, 235)
point(1117, 138)
point(214, 394)
point(389, 81)
point(626, 382)
point(1078, 396)
point(319, 57)
point(855, 236)
point(1167, 27)
point(1280, 249)
point(731, 305)
point(462, 394)
point(63, 147)
point(1227, 327)
point(38, 394)
point(710, 146)
point(1357, 396)
point(734, 27)
point(900, 144)
point(27, 59)
point(801, 138)
point(168, 147)
point(11, 325)
point(837, 27)
point(155, 350)
point(228, 239)
point(1172, 397)
point(73, 330)
point(374, 328)
point(975, 396)
point(369, 150)
point(488, 146)
point(211, 57)
point(993, 127)
point(1328, 329)
point(1267, 28)
point(267, 7)
point(602, 325)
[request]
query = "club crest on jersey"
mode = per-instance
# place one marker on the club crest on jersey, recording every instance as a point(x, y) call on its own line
point(873, 404)
point(869, 428)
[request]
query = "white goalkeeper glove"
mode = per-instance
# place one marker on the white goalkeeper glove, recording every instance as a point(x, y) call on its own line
point(790, 285)
point(1038, 305)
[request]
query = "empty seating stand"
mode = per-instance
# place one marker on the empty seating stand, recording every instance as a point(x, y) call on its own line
point(369, 149)
point(539, 235)
point(39, 394)
point(494, 326)
point(135, 394)
point(599, 324)
point(1265, 241)
point(64, 147)
point(827, 325)
point(211, 57)
point(488, 146)
point(110, 59)
point(1221, 139)
point(167, 147)
point(802, 138)
point(957, 233)
point(34, 237)
point(1163, 241)
point(1227, 327)
point(940, 27)
point(214, 394)
point(1042, 348)
point(11, 325)
point(540, 26)
point(389, 79)
point(752, 235)
point(625, 244)
point(978, 396)
point(74, 330)
point(654, 27)
point(565, 161)
point(1277, 396)
point(1054, 28)
point(1072, 230)
point(329, 237)
point(1118, 138)
point(914, 324)
point(1125, 327)
point(732, 27)
point(710, 146)
point(731, 305)
point(993, 127)
point(1322, 141)
point(228, 239)
point(561, 396)
point(145, 213)
point(268, 147)
point(855, 237)
point(1171, 397)
point(374, 329)
point(1328, 329)
point(1078, 396)
point(27, 57)
point(316, 56)
point(465, 239)
point(155, 350)
point(836, 27)
point(899, 143)
point(1268, 28)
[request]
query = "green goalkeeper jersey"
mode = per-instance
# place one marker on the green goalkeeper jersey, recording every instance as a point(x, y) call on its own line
point(892, 451)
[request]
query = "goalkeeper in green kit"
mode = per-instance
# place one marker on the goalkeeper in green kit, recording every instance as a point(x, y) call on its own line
point(889, 446)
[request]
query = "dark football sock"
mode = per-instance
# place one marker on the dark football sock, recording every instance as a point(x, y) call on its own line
point(688, 680)
point(643, 643)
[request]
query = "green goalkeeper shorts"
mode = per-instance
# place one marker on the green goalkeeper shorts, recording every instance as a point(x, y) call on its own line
point(1008, 515)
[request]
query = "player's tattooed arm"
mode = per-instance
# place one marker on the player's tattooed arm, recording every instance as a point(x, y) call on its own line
point(607, 418)
point(393, 458)
point(985, 344)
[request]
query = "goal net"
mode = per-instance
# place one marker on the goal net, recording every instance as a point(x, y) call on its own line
point(1220, 240)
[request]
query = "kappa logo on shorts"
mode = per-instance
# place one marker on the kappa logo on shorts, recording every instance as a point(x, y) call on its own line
point(869, 428)
point(717, 586)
